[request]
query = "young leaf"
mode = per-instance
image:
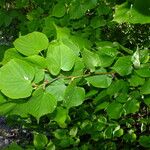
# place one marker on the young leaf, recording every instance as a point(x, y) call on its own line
point(15, 79)
point(31, 44)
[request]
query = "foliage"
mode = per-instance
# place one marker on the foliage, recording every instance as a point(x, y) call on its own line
point(71, 81)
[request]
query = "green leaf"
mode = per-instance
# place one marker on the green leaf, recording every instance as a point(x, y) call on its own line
point(60, 56)
point(100, 81)
point(31, 44)
point(39, 75)
point(37, 61)
point(59, 10)
point(145, 89)
point(41, 103)
point(61, 116)
point(131, 106)
point(117, 86)
point(122, 97)
point(97, 21)
point(90, 59)
point(107, 54)
point(145, 141)
point(101, 106)
point(74, 96)
point(143, 72)
point(136, 59)
point(136, 80)
point(78, 8)
point(118, 132)
point(40, 140)
point(142, 7)
point(147, 101)
point(57, 89)
point(123, 66)
point(114, 110)
point(129, 13)
point(13, 146)
point(15, 79)
point(11, 54)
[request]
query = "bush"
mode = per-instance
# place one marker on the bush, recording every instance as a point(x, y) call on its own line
point(78, 75)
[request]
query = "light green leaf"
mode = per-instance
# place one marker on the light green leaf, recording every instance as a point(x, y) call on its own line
point(41, 103)
point(136, 59)
point(11, 54)
point(100, 81)
point(15, 79)
point(131, 106)
point(37, 61)
point(74, 96)
point(128, 13)
point(57, 89)
point(90, 59)
point(60, 56)
point(114, 110)
point(31, 44)
point(40, 140)
point(39, 75)
point(123, 66)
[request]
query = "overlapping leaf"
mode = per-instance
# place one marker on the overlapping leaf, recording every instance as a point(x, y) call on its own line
point(31, 43)
point(16, 77)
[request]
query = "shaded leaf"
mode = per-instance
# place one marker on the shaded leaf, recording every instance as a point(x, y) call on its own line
point(114, 110)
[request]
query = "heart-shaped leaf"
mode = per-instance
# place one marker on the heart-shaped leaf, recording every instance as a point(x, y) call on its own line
point(60, 56)
point(31, 43)
point(16, 77)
